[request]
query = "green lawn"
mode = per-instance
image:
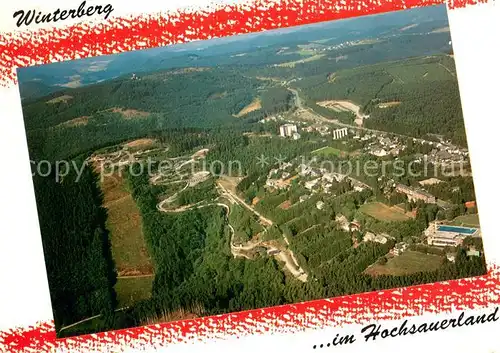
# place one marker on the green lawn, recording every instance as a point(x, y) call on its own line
point(383, 212)
point(470, 220)
point(327, 151)
point(406, 263)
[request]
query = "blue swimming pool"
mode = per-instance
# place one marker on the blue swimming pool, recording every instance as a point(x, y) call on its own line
point(461, 230)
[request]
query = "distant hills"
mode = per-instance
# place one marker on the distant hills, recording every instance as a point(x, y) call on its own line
point(42, 80)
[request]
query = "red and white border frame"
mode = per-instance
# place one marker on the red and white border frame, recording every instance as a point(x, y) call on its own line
point(26, 48)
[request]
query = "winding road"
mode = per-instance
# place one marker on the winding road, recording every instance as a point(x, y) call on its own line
point(283, 255)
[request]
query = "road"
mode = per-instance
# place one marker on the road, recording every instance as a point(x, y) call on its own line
point(298, 103)
point(170, 199)
point(236, 199)
point(285, 256)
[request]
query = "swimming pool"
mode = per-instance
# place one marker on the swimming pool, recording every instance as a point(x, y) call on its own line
point(454, 229)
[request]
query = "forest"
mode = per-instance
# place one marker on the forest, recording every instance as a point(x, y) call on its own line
point(425, 91)
point(79, 263)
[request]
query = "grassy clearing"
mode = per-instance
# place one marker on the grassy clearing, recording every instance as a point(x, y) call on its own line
point(327, 151)
point(291, 64)
point(59, 99)
point(125, 225)
point(383, 212)
point(83, 120)
point(471, 220)
point(406, 263)
point(255, 105)
point(140, 143)
point(388, 104)
point(130, 290)
point(131, 113)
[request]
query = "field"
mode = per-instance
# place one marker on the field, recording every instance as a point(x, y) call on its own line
point(127, 242)
point(471, 220)
point(383, 212)
point(327, 151)
point(406, 263)
point(125, 225)
point(130, 290)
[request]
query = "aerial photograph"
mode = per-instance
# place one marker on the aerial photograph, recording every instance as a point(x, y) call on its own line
point(251, 171)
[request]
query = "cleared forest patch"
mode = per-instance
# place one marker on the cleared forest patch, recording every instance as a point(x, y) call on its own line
point(255, 105)
point(60, 99)
point(389, 104)
point(292, 64)
point(130, 113)
point(81, 121)
point(142, 143)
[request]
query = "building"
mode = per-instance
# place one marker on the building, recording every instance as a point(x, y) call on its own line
point(439, 234)
point(430, 181)
point(450, 257)
point(379, 152)
point(415, 194)
point(320, 205)
point(354, 225)
point(386, 141)
point(343, 222)
point(288, 130)
point(311, 184)
point(473, 252)
point(330, 177)
point(398, 249)
point(470, 204)
point(369, 236)
point(278, 184)
point(380, 239)
point(295, 135)
point(339, 133)
point(303, 198)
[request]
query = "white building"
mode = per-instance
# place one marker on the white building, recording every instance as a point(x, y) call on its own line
point(445, 235)
point(339, 133)
point(310, 184)
point(369, 236)
point(379, 152)
point(288, 130)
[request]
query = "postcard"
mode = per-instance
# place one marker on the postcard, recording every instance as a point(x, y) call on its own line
point(244, 176)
